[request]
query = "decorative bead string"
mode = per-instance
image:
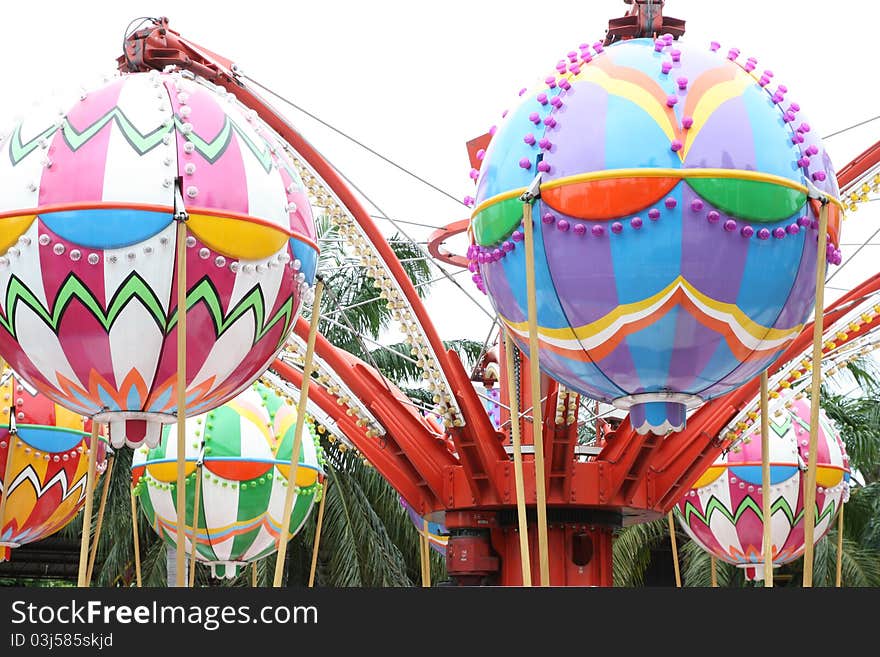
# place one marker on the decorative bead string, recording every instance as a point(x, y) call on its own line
point(569, 69)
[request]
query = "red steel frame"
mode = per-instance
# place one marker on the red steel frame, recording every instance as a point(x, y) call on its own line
point(633, 478)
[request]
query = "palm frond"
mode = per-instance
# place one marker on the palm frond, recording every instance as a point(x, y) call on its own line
point(858, 419)
point(631, 551)
point(413, 261)
point(469, 351)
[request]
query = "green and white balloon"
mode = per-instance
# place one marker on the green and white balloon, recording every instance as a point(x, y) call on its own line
point(244, 447)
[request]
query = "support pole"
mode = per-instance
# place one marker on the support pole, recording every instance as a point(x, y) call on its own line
point(297, 434)
point(136, 538)
point(195, 525)
point(181, 402)
point(422, 558)
point(839, 581)
point(714, 569)
point(101, 507)
point(87, 512)
point(254, 575)
point(317, 544)
point(7, 480)
point(535, 378)
point(810, 481)
point(674, 550)
point(523, 523)
point(426, 554)
point(766, 500)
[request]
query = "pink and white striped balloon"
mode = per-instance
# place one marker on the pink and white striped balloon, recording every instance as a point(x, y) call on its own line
point(88, 285)
point(723, 512)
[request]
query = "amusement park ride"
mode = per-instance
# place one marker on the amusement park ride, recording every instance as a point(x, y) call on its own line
point(460, 469)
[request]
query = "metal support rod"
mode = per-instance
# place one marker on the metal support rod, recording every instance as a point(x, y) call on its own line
point(674, 550)
point(422, 564)
point(535, 377)
point(516, 439)
point(197, 494)
point(317, 544)
point(766, 500)
point(101, 507)
point(297, 434)
point(87, 512)
point(839, 579)
point(810, 481)
point(135, 538)
point(426, 554)
point(181, 402)
point(7, 481)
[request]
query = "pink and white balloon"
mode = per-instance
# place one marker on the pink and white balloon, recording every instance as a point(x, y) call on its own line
point(88, 200)
point(723, 512)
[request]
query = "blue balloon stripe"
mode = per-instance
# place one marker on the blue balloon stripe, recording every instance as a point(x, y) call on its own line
point(770, 271)
point(50, 439)
point(751, 474)
point(500, 171)
point(106, 228)
point(634, 140)
point(308, 257)
point(651, 353)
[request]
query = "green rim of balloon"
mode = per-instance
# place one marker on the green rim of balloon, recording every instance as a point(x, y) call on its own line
point(494, 223)
point(752, 200)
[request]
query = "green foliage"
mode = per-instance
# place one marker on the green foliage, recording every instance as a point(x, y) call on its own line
point(631, 551)
point(858, 419)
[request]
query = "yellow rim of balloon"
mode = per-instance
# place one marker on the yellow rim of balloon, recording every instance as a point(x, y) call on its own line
point(734, 174)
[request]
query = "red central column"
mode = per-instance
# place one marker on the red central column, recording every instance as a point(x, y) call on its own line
point(485, 552)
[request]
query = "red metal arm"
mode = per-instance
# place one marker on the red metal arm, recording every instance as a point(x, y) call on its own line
point(860, 165)
point(384, 453)
point(157, 47)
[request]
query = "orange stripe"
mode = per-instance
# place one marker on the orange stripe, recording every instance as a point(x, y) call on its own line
point(705, 82)
point(607, 199)
point(644, 81)
point(743, 353)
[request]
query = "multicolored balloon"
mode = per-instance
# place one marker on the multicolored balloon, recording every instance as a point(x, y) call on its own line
point(47, 474)
point(723, 512)
point(244, 480)
point(674, 240)
point(88, 200)
point(438, 535)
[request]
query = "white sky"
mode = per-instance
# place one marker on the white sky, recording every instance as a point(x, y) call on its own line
point(416, 80)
